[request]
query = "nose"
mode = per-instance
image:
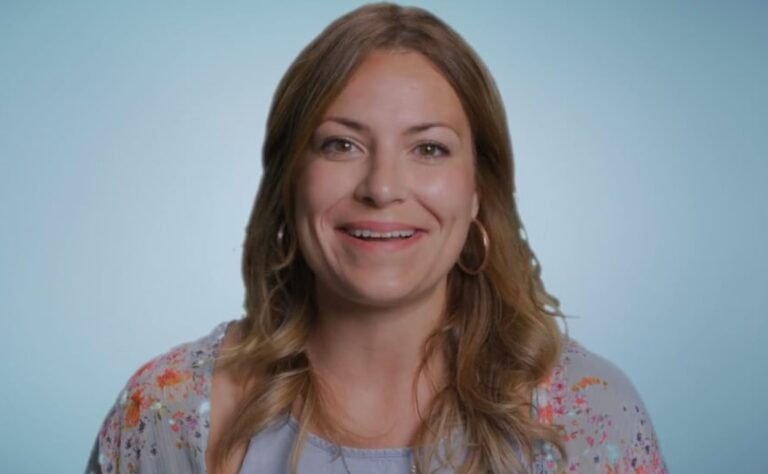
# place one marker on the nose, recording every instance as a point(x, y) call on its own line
point(383, 181)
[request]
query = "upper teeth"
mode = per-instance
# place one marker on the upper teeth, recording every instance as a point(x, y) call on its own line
point(381, 235)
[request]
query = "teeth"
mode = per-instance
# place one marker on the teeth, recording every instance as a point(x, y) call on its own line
point(369, 234)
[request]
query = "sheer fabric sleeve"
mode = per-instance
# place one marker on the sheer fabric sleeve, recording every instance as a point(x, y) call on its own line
point(606, 426)
point(146, 430)
point(160, 421)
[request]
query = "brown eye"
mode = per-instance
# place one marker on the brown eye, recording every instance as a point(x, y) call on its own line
point(433, 150)
point(337, 145)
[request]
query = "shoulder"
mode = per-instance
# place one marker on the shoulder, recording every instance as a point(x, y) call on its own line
point(162, 411)
point(605, 425)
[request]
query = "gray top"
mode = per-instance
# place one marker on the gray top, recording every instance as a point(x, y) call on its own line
point(269, 452)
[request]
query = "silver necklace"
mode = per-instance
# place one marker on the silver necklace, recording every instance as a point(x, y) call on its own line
point(346, 468)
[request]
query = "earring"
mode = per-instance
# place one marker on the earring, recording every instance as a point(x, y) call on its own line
point(486, 251)
point(285, 255)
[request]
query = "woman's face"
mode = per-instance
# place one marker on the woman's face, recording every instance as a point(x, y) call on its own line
point(386, 192)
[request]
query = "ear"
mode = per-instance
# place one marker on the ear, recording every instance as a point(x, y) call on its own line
point(475, 205)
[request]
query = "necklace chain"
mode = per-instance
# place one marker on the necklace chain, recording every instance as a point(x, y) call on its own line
point(346, 468)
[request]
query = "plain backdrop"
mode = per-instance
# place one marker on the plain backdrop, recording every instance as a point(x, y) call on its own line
point(130, 140)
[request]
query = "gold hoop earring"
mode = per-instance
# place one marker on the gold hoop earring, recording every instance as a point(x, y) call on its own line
point(486, 252)
point(285, 256)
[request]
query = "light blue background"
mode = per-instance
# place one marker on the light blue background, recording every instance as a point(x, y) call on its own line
point(130, 139)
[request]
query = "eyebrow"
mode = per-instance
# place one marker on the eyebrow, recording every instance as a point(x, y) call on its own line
point(360, 127)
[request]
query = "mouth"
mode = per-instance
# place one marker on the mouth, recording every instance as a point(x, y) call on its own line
point(381, 232)
point(367, 234)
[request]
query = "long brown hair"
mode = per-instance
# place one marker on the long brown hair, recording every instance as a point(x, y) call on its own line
point(500, 336)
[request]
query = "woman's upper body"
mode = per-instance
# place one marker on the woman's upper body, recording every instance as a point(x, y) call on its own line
point(391, 296)
point(161, 421)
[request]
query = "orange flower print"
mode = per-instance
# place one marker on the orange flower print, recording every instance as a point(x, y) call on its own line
point(133, 412)
point(587, 382)
point(170, 377)
point(547, 414)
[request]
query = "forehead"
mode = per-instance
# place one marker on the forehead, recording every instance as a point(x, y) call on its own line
point(396, 89)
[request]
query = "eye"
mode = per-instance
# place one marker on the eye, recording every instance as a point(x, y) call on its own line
point(433, 150)
point(337, 145)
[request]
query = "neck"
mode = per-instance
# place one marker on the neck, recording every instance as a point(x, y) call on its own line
point(374, 344)
point(368, 359)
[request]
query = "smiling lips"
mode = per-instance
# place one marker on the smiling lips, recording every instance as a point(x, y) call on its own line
point(381, 232)
point(369, 234)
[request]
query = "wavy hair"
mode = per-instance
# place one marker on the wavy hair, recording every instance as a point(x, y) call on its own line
point(500, 335)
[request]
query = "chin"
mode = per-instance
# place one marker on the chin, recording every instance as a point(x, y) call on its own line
point(378, 289)
point(378, 297)
point(376, 293)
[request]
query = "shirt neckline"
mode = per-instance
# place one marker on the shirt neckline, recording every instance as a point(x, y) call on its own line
point(333, 448)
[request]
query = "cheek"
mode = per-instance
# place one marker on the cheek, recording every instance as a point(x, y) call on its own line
point(317, 189)
point(448, 192)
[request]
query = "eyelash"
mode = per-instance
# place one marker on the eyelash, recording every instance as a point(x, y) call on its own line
point(443, 150)
point(331, 141)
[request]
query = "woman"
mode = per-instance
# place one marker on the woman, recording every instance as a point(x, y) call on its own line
point(395, 316)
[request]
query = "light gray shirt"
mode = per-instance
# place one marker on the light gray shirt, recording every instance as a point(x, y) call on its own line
point(269, 452)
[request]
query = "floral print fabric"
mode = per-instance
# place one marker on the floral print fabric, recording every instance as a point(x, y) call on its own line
point(160, 420)
point(607, 429)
